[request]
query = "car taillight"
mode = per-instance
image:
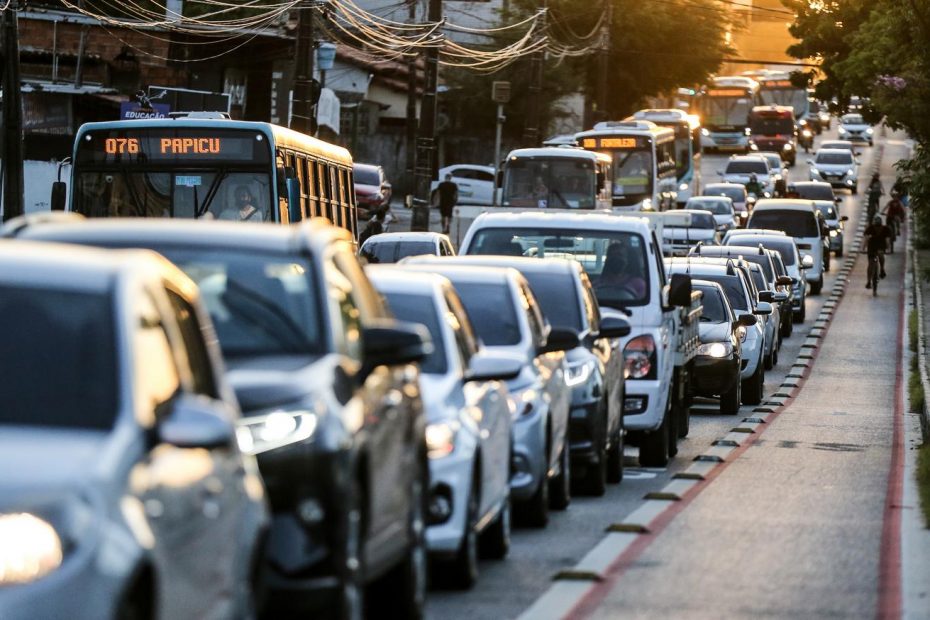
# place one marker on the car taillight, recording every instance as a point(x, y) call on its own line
point(639, 356)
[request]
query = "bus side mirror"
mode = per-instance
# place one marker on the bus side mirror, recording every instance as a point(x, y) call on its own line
point(59, 194)
point(294, 211)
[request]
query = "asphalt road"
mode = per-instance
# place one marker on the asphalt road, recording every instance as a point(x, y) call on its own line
point(507, 588)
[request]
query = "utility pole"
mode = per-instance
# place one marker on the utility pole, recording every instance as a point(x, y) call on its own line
point(302, 118)
point(82, 44)
point(426, 140)
point(604, 87)
point(12, 116)
point(410, 142)
point(531, 129)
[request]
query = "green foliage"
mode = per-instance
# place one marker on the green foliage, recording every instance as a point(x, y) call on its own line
point(915, 389)
point(923, 480)
point(912, 330)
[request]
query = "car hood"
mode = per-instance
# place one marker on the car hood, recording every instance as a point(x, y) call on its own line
point(851, 127)
point(834, 167)
point(714, 332)
point(270, 381)
point(39, 464)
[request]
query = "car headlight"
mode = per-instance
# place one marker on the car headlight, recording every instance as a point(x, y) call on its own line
point(715, 349)
point(850, 171)
point(440, 438)
point(834, 233)
point(683, 187)
point(579, 372)
point(278, 428)
point(814, 171)
point(870, 131)
point(29, 548)
point(788, 146)
point(705, 131)
point(747, 131)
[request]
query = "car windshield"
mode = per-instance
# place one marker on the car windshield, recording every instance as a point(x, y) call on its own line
point(365, 175)
point(759, 280)
point(774, 160)
point(792, 223)
point(615, 261)
point(747, 167)
point(261, 304)
point(736, 193)
point(58, 359)
point(838, 159)
point(392, 251)
point(713, 311)
point(784, 247)
point(814, 191)
point(853, 119)
point(717, 207)
point(699, 219)
point(553, 292)
point(490, 307)
point(555, 183)
point(422, 309)
point(827, 209)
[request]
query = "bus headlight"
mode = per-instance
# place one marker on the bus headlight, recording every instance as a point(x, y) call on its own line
point(705, 132)
point(683, 187)
point(29, 548)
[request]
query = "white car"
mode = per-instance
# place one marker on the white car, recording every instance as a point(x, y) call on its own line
point(476, 183)
point(854, 128)
point(720, 206)
point(736, 193)
point(840, 144)
point(392, 247)
point(678, 237)
point(740, 169)
point(838, 167)
point(799, 219)
point(835, 224)
point(468, 430)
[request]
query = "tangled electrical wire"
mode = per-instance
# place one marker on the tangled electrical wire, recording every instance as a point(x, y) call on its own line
point(228, 21)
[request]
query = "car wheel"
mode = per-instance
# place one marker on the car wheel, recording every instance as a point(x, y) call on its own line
point(403, 589)
point(535, 511)
point(495, 540)
point(615, 459)
point(653, 448)
point(730, 401)
point(826, 260)
point(560, 487)
point(349, 601)
point(855, 190)
point(817, 286)
point(684, 405)
point(673, 421)
point(462, 570)
point(752, 387)
point(839, 252)
point(767, 360)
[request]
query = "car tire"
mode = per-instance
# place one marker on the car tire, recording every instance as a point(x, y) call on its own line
point(839, 252)
point(684, 404)
point(350, 600)
point(730, 401)
point(139, 602)
point(673, 423)
point(855, 190)
point(403, 589)
point(615, 459)
point(752, 387)
point(817, 286)
point(494, 543)
point(535, 511)
point(653, 447)
point(560, 486)
point(462, 570)
point(826, 261)
point(767, 360)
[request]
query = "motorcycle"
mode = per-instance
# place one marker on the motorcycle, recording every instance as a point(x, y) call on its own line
point(806, 139)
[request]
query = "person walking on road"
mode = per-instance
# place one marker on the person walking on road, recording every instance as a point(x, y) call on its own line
point(876, 240)
point(448, 198)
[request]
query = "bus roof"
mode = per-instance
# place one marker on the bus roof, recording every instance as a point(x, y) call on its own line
point(662, 116)
point(773, 110)
point(735, 80)
point(282, 136)
point(558, 152)
point(628, 128)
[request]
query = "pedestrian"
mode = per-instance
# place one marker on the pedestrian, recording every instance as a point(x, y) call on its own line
point(448, 198)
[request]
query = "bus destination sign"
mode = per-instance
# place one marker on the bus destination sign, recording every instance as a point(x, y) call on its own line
point(172, 146)
point(614, 142)
point(726, 92)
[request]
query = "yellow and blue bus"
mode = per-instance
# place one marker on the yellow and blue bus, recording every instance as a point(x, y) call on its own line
point(210, 168)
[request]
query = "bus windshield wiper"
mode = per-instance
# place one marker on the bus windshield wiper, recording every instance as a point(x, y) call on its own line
point(212, 191)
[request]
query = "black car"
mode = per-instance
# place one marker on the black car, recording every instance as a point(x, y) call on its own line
point(330, 401)
point(719, 356)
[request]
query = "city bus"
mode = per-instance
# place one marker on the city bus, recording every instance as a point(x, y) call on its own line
point(777, 89)
point(772, 128)
point(687, 128)
point(724, 108)
point(210, 168)
point(554, 178)
point(643, 170)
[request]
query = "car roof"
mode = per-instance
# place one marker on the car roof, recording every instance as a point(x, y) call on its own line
point(724, 184)
point(729, 250)
point(313, 234)
point(705, 198)
point(396, 237)
point(520, 263)
point(843, 142)
point(834, 151)
point(396, 279)
point(574, 221)
point(468, 167)
point(710, 262)
point(462, 273)
point(745, 158)
point(370, 167)
point(784, 204)
point(567, 152)
point(768, 232)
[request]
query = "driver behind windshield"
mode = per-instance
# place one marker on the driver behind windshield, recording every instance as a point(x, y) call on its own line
point(623, 270)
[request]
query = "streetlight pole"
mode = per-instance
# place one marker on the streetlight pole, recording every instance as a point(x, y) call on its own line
point(426, 141)
point(531, 129)
point(12, 117)
point(302, 118)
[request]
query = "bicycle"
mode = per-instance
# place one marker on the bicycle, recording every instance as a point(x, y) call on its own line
point(872, 275)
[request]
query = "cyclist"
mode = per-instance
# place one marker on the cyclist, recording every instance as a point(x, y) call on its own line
point(876, 191)
point(876, 239)
point(894, 213)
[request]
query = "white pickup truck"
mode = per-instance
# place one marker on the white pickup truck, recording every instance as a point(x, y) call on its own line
point(622, 256)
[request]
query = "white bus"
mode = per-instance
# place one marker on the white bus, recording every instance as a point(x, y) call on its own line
point(724, 107)
point(562, 178)
point(643, 171)
point(687, 128)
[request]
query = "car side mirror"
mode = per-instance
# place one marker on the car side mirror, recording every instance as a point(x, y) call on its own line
point(845, 218)
point(59, 194)
point(837, 200)
point(392, 343)
point(746, 320)
point(484, 367)
point(858, 154)
point(197, 422)
point(613, 327)
point(679, 290)
point(807, 261)
point(560, 340)
point(780, 297)
point(784, 280)
point(763, 308)
point(766, 296)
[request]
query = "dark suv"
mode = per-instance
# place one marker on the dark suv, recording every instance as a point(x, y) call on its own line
point(331, 404)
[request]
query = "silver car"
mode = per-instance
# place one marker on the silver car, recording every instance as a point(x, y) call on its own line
point(838, 167)
point(835, 224)
point(122, 490)
point(855, 129)
point(393, 247)
point(468, 432)
point(509, 322)
point(720, 206)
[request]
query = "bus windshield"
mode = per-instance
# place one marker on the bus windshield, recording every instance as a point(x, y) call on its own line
point(186, 172)
point(554, 183)
point(794, 97)
point(631, 176)
point(683, 146)
point(725, 111)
